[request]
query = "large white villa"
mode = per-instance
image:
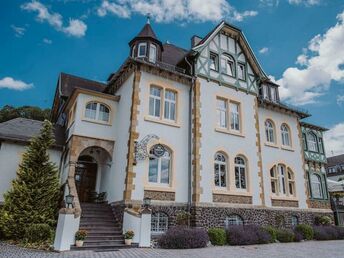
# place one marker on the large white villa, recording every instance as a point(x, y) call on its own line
point(201, 130)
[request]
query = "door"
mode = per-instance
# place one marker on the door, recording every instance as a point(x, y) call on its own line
point(85, 177)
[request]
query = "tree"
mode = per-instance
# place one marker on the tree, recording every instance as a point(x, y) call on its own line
point(36, 113)
point(33, 197)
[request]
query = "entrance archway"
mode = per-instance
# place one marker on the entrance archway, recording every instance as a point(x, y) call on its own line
point(86, 177)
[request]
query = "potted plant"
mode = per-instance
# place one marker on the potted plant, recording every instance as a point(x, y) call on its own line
point(80, 236)
point(128, 237)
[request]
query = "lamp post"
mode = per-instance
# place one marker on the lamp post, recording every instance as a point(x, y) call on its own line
point(69, 200)
point(147, 202)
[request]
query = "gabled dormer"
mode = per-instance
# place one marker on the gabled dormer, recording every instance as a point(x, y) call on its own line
point(269, 91)
point(146, 45)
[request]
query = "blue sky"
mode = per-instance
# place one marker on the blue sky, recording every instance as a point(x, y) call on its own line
point(89, 38)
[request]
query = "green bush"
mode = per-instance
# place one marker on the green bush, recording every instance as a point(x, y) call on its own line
point(182, 218)
point(36, 233)
point(285, 235)
point(323, 220)
point(272, 231)
point(305, 230)
point(217, 236)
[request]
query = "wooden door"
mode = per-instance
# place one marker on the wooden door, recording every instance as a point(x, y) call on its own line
point(85, 180)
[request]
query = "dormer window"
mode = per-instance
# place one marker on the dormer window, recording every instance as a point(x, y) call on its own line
point(241, 72)
point(228, 64)
point(265, 92)
point(133, 51)
point(152, 53)
point(142, 50)
point(273, 94)
point(214, 61)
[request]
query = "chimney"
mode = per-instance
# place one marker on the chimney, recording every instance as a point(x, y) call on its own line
point(195, 40)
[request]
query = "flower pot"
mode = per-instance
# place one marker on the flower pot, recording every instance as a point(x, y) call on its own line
point(79, 243)
point(128, 241)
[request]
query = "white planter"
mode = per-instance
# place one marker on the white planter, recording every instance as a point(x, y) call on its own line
point(79, 243)
point(128, 241)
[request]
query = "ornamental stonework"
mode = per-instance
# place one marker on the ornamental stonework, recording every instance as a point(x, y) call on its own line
point(317, 204)
point(224, 198)
point(284, 203)
point(160, 195)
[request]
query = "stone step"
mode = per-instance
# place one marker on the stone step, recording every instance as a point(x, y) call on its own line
point(97, 232)
point(95, 215)
point(103, 247)
point(96, 220)
point(103, 242)
point(102, 230)
point(104, 237)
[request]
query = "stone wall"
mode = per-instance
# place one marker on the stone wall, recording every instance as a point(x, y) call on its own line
point(319, 204)
point(118, 211)
point(160, 195)
point(284, 203)
point(224, 198)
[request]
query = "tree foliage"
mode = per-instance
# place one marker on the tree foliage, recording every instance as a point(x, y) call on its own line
point(33, 196)
point(36, 113)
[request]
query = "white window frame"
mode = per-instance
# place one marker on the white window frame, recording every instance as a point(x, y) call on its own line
point(214, 66)
point(152, 58)
point(97, 112)
point(170, 103)
point(273, 93)
point(235, 116)
point(270, 131)
point(166, 156)
point(265, 91)
point(133, 51)
point(222, 113)
point(282, 179)
point(285, 135)
point(242, 72)
point(233, 220)
point(156, 221)
point(241, 170)
point(138, 50)
point(228, 65)
point(220, 163)
point(312, 142)
point(155, 100)
point(316, 183)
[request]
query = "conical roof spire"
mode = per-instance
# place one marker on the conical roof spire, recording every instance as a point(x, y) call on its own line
point(146, 33)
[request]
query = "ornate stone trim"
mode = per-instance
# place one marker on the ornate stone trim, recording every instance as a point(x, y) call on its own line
point(232, 198)
point(133, 136)
point(160, 195)
point(284, 203)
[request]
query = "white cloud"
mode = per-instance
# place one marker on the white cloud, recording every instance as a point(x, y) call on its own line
point(18, 31)
point(166, 11)
point(263, 50)
point(47, 41)
point(269, 3)
point(334, 140)
point(340, 100)
point(12, 84)
point(76, 28)
point(321, 63)
point(304, 2)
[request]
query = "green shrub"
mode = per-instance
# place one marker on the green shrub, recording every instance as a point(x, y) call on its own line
point(36, 233)
point(285, 235)
point(323, 220)
point(182, 218)
point(305, 230)
point(217, 236)
point(272, 231)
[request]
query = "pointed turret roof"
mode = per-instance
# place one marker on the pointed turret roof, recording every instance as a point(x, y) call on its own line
point(146, 33)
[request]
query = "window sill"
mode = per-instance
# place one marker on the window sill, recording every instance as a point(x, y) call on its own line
point(272, 145)
point(228, 192)
point(96, 122)
point(283, 198)
point(161, 121)
point(231, 132)
point(160, 189)
point(287, 148)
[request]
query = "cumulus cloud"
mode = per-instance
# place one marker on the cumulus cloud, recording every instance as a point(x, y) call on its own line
point(269, 3)
point(12, 84)
point(340, 100)
point(334, 140)
point(76, 28)
point(263, 50)
point(166, 11)
point(304, 2)
point(319, 64)
point(47, 41)
point(18, 31)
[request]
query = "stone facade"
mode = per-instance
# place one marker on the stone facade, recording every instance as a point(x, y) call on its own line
point(319, 204)
point(284, 203)
point(232, 198)
point(160, 195)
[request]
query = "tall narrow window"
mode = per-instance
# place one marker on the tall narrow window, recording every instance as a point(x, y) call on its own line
point(152, 53)
point(159, 167)
point(133, 51)
point(241, 72)
point(316, 186)
point(220, 170)
point(155, 101)
point(282, 179)
point(142, 50)
point(321, 145)
point(103, 113)
point(273, 94)
point(235, 116)
point(285, 135)
point(269, 131)
point(291, 183)
point(221, 106)
point(240, 173)
point(312, 142)
point(170, 105)
point(274, 180)
point(214, 61)
point(265, 92)
point(304, 140)
point(228, 65)
point(91, 110)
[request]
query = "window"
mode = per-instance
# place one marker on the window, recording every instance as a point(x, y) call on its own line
point(269, 131)
point(142, 50)
point(233, 220)
point(228, 65)
point(265, 92)
point(240, 173)
point(316, 186)
point(273, 94)
point(321, 145)
point(159, 222)
point(274, 180)
point(312, 142)
point(133, 51)
point(154, 101)
point(214, 61)
point(220, 168)
point(159, 167)
point(235, 117)
point(291, 182)
point(285, 135)
point(170, 105)
point(294, 221)
point(304, 141)
point(282, 180)
point(221, 106)
point(152, 53)
point(241, 72)
point(97, 111)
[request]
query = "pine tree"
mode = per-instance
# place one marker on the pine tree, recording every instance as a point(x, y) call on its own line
point(33, 197)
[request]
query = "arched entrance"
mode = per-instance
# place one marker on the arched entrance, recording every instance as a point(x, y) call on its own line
point(86, 177)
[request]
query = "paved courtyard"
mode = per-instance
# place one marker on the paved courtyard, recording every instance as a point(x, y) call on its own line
point(327, 249)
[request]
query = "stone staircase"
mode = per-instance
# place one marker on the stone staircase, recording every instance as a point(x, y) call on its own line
point(104, 232)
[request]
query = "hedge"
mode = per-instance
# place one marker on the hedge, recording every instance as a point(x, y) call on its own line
point(217, 236)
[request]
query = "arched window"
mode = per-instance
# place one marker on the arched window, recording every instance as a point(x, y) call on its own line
point(220, 170)
point(97, 111)
point(159, 222)
point(285, 133)
point(312, 142)
point(294, 220)
point(228, 65)
point(233, 219)
point(316, 186)
point(291, 182)
point(240, 172)
point(270, 131)
point(282, 180)
point(159, 166)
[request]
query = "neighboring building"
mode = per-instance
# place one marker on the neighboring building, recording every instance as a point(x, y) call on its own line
point(14, 137)
point(335, 167)
point(201, 130)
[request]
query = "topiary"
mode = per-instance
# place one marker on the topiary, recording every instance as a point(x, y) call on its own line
point(37, 233)
point(305, 230)
point(272, 231)
point(285, 235)
point(217, 236)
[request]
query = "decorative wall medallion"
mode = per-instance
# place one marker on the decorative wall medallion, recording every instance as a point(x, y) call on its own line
point(158, 150)
point(141, 151)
